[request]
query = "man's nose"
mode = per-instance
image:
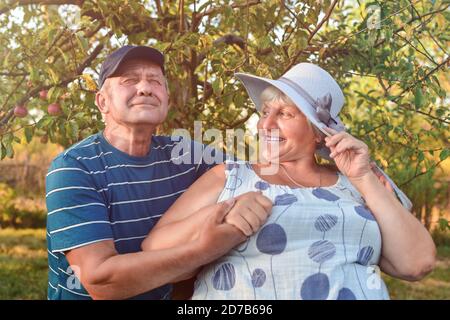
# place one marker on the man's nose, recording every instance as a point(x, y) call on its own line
point(144, 88)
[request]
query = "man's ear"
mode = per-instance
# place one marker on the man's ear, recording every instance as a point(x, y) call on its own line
point(100, 101)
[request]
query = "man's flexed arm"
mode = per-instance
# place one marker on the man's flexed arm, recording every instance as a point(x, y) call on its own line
point(108, 275)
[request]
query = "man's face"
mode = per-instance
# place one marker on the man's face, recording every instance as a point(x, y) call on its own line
point(135, 95)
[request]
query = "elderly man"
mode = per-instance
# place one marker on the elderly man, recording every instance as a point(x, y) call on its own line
point(105, 194)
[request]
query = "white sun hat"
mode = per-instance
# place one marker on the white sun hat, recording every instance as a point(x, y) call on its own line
point(318, 97)
point(312, 89)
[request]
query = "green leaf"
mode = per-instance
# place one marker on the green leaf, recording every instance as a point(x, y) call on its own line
point(51, 36)
point(239, 101)
point(444, 224)
point(444, 154)
point(9, 150)
point(6, 59)
point(34, 74)
point(8, 138)
point(53, 75)
point(64, 55)
point(28, 134)
point(74, 130)
point(420, 157)
point(44, 122)
point(84, 44)
point(418, 97)
point(217, 85)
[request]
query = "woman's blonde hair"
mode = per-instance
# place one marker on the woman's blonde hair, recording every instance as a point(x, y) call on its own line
point(272, 93)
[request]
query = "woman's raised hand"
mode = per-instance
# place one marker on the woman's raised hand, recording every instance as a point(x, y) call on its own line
point(350, 154)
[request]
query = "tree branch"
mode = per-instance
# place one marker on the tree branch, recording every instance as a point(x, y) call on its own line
point(227, 39)
point(214, 10)
point(325, 19)
point(313, 33)
point(419, 174)
point(207, 88)
point(411, 21)
point(283, 4)
point(66, 81)
point(440, 65)
point(19, 3)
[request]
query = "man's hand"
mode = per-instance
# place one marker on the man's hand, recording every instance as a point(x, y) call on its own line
point(216, 237)
point(250, 212)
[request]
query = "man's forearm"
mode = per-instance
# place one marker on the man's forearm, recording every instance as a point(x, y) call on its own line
point(175, 233)
point(126, 275)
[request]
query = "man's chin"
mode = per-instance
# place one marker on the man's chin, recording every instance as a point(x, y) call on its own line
point(147, 121)
point(144, 105)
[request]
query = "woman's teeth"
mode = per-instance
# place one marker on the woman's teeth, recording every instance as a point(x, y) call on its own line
point(272, 139)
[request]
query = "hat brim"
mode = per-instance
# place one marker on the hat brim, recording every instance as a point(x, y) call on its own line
point(256, 85)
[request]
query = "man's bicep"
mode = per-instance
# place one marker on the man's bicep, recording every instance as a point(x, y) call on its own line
point(203, 192)
point(77, 211)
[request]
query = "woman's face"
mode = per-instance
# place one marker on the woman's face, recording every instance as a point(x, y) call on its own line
point(284, 127)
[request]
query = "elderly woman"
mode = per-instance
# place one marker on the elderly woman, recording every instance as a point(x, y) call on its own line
point(328, 230)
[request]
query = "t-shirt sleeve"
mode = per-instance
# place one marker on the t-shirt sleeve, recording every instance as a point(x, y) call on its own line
point(77, 210)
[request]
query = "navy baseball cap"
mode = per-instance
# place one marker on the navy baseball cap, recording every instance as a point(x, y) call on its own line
point(113, 61)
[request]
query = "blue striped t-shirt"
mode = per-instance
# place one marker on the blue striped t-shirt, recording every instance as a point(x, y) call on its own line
point(96, 192)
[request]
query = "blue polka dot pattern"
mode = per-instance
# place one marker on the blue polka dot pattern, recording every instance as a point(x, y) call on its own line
point(225, 277)
point(318, 243)
point(271, 239)
point(258, 278)
point(285, 199)
point(321, 251)
point(261, 185)
point(325, 222)
point(324, 194)
point(315, 287)
point(364, 255)
point(364, 212)
point(346, 294)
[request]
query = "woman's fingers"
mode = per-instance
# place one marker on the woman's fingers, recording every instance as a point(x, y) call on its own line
point(330, 131)
point(241, 223)
point(343, 141)
point(345, 144)
point(333, 140)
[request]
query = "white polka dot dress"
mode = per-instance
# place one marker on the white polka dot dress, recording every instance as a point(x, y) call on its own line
point(318, 243)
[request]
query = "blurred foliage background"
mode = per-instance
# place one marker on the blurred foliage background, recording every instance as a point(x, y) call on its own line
point(390, 57)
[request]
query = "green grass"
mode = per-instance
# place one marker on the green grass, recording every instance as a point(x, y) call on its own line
point(23, 264)
point(23, 270)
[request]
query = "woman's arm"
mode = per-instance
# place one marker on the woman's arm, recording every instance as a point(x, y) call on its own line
point(182, 222)
point(408, 251)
